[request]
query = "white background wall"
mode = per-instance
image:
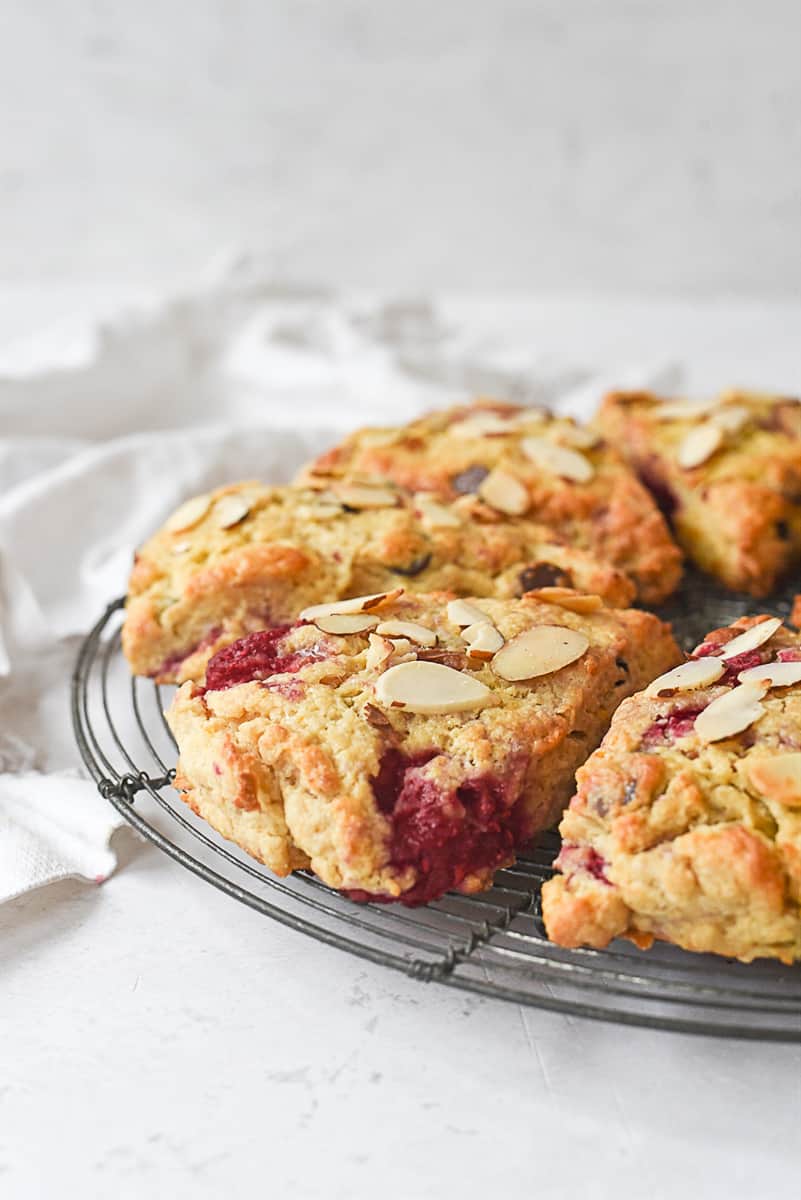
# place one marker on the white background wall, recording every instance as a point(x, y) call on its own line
point(625, 145)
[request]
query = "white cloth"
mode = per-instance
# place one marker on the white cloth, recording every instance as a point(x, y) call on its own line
point(107, 426)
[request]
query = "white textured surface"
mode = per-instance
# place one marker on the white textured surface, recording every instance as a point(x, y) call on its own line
point(464, 143)
point(159, 1039)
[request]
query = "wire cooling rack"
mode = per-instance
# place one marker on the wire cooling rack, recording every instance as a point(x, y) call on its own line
point(493, 943)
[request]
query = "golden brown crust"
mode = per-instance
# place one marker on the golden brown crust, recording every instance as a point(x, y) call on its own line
point(608, 513)
point(737, 513)
point(194, 590)
point(693, 842)
point(285, 766)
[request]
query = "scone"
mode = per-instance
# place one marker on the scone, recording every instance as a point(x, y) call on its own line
point(247, 556)
point(404, 745)
point(687, 821)
point(521, 462)
point(728, 475)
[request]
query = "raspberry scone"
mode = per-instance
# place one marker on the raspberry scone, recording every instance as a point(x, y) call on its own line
point(248, 556)
point(520, 462)
point(727, 474)
point(404, 745)
point(687, 822)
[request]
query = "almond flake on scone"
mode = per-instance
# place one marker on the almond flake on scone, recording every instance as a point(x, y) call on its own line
point(398, 768)
point(686, 826)
point(508, 463)
point(247, 556)
point(727, 474)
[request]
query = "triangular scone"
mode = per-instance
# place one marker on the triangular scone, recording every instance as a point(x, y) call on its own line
point(727, 473)
point(247, 556)
point(406, 745)
point(687, 822)
point(522, 462)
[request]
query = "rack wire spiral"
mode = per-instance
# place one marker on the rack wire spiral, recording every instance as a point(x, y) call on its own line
point(492, 943)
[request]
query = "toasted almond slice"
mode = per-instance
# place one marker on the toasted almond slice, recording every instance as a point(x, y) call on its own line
point(580, 437)
point(778, 674)
point(229, 511)
point(699, 445)
point(188, 515)
point(356, 604)
point(777, 777)
point(412, 630)
point(427, 687)
point(756, 636)
point(539, 651)
point(462, 612)
point(577, 602)
point(683, 410)
point(697, 673)
point(483, 640)
point(434, 515)
point(180, 547)
point(731, 418)
point(482, 424)
point(360, 496)
point(504, 493)
point(346, 623)
point(558, 460)
point(379, 652)
point(731, 713)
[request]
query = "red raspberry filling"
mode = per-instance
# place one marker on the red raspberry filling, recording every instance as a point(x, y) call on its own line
point(573, 858)
point(257, 657)
point(740, 662)
point(174, 661)
point(665, 730)
point(444, 835)
point(790, 654)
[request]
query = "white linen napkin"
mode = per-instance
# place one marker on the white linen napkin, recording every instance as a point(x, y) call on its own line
point(105, 427)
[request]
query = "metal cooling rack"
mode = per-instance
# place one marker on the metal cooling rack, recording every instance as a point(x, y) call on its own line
point(493, 943)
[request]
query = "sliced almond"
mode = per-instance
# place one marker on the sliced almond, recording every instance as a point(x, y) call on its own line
point(777, 777)
point(379, 652)
point(573, 601)
point(229, 511)
point(754, 637)
point(683, 410)
point(581, 437)
point(462, 612)
point(180, 547)
point(188, 515)
point(356, 604)
point(504, 493)
point(343, 624)
point(427, 687)
point(731, 418)
point(360, 496)
point(483, 640)
point(699, 445)
point(482, 424)
point(412, 630)
point(558, 460)
point(730, 714)
point(697, 673)
point(539, 651)
point(434, 515)
point(402, 650)
point(778, 674)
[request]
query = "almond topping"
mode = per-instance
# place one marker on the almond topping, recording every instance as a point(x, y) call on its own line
point(420, 634)
point(483, 640)
point(731, 713)
point(778, 674)
point(539, 651)
point(356, 604)
point(189, 513)
point(777, 778)
point(504, 493)
point(697, 673)
point(357, 495)
point(699, 445)
point(577, 602)
point(581, 437)
point(427, 687)
point(433, 515)
point(379, 652)
point(229, 511)
point(756, 636)
point(180, 547)
point(345, 623)
point(731, 418)
point(482, 424)
point(683, 410)
point(558, 460)
point(462, 612)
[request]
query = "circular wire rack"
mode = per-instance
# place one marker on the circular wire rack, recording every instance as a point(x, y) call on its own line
point(493, 943)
